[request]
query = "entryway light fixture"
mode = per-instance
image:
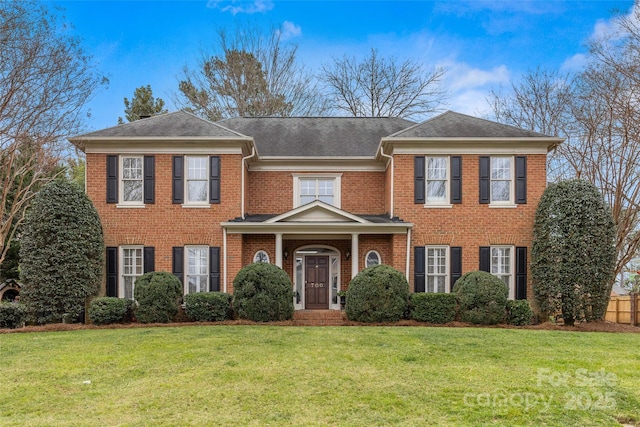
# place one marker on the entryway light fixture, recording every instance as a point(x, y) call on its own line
point(348, 254)
point(286, 254)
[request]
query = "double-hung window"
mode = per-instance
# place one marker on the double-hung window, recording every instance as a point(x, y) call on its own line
point(197, 274)
point(502, 266)
point(437, 275)
point(325, 188)
point(197, 180)
point(502, 180)
point(132, 268)
point(437, 180)
point(132, 180)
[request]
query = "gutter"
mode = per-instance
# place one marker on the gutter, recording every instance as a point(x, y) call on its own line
point(382, 153)
point(242, 195)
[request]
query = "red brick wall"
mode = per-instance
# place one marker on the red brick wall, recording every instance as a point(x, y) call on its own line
point(470, 224)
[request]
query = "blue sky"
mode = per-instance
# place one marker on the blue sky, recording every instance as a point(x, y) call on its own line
point(482, 45)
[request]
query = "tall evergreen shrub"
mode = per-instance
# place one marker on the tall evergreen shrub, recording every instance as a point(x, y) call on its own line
point(61, 253)
point(573, 255)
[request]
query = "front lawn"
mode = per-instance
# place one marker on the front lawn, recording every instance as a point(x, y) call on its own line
point(357, 376)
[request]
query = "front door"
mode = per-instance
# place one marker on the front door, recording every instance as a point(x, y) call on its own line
point(316, 285)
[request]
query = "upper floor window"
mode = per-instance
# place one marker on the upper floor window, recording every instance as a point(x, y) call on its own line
point(197, 182)
point(130, 180)
point(438, 180)
point(325, 188)
point(501, 179)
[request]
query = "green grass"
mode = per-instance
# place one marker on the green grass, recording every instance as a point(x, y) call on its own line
point(356, 376)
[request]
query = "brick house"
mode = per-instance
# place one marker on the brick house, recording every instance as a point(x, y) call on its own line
point(322, 198)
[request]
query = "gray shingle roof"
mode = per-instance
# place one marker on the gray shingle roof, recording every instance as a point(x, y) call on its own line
point(177, 124)
point(316, 136)
point(456, 125)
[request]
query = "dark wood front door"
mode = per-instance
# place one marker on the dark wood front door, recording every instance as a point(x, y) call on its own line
point(316, 285)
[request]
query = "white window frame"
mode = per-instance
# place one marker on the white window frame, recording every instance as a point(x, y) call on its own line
point(255, 256)
point(447, 273)
point(121, 179)
point(447, 201)
point(297, 178)
point(511, 274)
point(511, 180)
point(122, 275)
point(186, 268)
point(187, 201)
point(366, 258)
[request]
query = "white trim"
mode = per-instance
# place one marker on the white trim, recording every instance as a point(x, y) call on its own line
point(121, 275)
point(242, 179)
point(355, 268)
point(119, 206)
point(313, 205)
point(186, 267)
point(512, 264)
point(512, 183)
point(195, 206)
point(317, 164)
point(447, 183)
point(172, 148)
point(224, 258)
point(199, 203)
point(121, 201)
point(336, 178)
point(499, 206)
point(263, 252)
point(366, 258)
point(447, 268)
point(447, 206)
point(317, 229)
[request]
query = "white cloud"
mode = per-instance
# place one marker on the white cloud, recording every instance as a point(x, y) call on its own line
point(461, 76)
point(471, 102)
point(576, 63)
point(289, 30)
point(241, 6)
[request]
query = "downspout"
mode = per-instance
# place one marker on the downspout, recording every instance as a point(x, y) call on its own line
point(408, 254)
point(224, 259)
point(242, 195)
point(391, 189)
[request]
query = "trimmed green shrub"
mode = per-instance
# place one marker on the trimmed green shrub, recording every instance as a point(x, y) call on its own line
point(208, 306)
point(377, 294)
point(12, 315)
point(573, 255)
point(482, 298)
point(263, 292)
point(519, 312)
point(433, 308)
point(158, 295)
point(61, 253)
point(107, 310)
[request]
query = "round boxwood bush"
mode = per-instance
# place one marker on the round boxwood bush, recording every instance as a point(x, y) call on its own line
point(519, 312)
point(377, 294)
point(208, 306)
point(12, 315)
point(433, 308)
point(482, 298)
point(158, 295)
point(263, 292)
point(108, 310)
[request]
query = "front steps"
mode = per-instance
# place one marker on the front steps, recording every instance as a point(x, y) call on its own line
point(319, 318)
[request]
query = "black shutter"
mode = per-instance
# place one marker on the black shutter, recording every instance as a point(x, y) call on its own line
point(521, 272)
point(485, 259)
point(178, 179)
point(214, 179)
point(485, 183)
point(419, 269)
point(149, 180)
point(149, 259)
point(112, 179)
point(521, 180)
point(419, 182)
point(178, 263)
point(455, 265)
point(112, 271)
point(214, 269)
point(456, 179)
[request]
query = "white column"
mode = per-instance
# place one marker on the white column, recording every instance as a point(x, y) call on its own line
point(279, 249)
point(354, 255)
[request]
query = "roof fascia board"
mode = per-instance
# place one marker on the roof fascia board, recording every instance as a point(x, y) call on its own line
point(313, 205)
point(318, 164)
point(468, 145)
point(315, 228)
point(161, 146)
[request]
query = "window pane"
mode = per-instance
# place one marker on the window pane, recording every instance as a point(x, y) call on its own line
point(500, 191)
point(128, 286)
point(436, 191)
point(325, 187)
point(197, 191)
point(500, 168)
point(437, 168)
point(372, 259)
point(306, 199)
point(197, 168)
point(308, 187)
point(440, 284)
point(132, 168)
point(132, 191)
point(326, 199)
